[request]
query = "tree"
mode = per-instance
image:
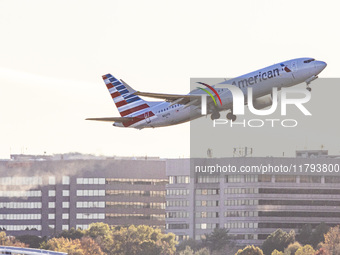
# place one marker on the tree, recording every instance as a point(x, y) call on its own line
point(322, 251)
point(10, 241)
point(102, 234)
point(31, 241)
point(85, 246)
point(189, 251)
point(332, 241)
point(142, 240)
point(250, 250)
point(292, 248)
point(217, 239)
point(305, 234)
point(98, 229)
point(276, 252)
point(203, 251)
point(72, 233)
point(318, 234)
point(305, 250)
point(71, 247)
point(193, 244)
point(278, 240)
point(90, 247)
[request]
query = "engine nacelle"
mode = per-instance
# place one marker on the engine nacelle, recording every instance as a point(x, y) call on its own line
point(262, 102)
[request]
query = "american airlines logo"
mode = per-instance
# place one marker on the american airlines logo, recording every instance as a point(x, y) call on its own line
point(261, 76)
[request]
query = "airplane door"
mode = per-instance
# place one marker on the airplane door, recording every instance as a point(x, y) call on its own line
point(294, 66)
point(147, 117)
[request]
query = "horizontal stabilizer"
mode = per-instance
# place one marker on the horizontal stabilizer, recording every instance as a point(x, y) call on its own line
point(110, 119)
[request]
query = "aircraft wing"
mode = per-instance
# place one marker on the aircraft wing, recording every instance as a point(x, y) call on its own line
point(110, 119)
point(175, 98)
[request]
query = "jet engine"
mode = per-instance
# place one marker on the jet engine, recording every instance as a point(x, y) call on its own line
point(262, 102)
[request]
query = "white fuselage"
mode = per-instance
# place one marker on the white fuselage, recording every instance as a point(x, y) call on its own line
point(284, 74)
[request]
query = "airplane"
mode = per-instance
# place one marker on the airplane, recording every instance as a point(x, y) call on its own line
point(175, 109)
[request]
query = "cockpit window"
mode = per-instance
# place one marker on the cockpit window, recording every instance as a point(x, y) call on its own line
point(309, 60)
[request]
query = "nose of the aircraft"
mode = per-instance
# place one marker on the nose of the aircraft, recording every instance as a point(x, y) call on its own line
point(320, 65)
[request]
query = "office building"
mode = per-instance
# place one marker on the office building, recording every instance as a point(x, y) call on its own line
point(251, 206)
point(45, 196)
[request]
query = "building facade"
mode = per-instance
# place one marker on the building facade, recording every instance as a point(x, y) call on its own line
point(251, 206)
point(45, 197)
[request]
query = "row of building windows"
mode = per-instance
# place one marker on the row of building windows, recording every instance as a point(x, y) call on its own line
point(94, 216)
point(20, 205)
point(207, 203)
point(332, 179)
point(137, 193)
point(207, 192)
point(299, 191)
point(20, 216)
point(180, 238)
point(65, 216)
point(241, 202)
point(135, 205)
point(83, 227)
point(90, 193)
point(136, 181)
point(240, 214)
point(29, 181)
point(241, 191)
point(285, 178)
point(238, 224)
point(90, 180)
point(177, 214)
point(281, 178)
point(299, 214)
point(207, 179)
point(64, 204)
point(85, 204)
point(135, 216)
point(245, 236)
point(248, 178)
point(19, 227)
point(177, 203)
point(179, 179)
point(310, 179)
point(51, 193)
point(177, 226)
point(207, 225)
point(65, 227)
point(20, 193)
point(177, 192)
point(300, 202)
point(234, 178)
point(241, 178)
point(65, 180)
point(207, 214)
point(283, 225)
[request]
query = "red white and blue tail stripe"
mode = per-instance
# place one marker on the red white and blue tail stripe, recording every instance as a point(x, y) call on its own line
point(128, 105)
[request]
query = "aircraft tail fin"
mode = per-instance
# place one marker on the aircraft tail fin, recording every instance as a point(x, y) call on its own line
point(127, 103)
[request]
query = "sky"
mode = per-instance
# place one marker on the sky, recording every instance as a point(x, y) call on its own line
point(53, 54)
